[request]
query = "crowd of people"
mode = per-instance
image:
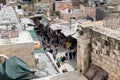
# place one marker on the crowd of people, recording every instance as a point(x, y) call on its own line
point(51, 41)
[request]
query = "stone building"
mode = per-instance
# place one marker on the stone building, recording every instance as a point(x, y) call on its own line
point(43, 1)
point(99, 45)
point(3, 1)
point(20, 48)
point(13, 40)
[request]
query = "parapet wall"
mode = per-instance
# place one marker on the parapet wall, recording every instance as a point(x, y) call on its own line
point(23, 51)
point(100, 46)
point(106, 54)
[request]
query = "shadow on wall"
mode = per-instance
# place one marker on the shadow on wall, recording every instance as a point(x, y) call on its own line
point(100, 14)
point(96, 73)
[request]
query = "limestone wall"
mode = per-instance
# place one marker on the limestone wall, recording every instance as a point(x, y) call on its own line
point(83, 51)
point(106, 54)
point(69, 15)
point(23, 50)
point(101, 49)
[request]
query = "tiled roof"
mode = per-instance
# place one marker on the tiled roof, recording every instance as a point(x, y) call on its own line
point(63, 7)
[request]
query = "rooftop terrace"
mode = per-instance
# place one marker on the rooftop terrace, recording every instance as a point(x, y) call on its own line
point(99, 26)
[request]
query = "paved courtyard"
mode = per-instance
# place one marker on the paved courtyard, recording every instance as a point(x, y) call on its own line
point(70, 65)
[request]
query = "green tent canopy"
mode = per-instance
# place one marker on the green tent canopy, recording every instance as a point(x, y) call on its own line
point(15, 69)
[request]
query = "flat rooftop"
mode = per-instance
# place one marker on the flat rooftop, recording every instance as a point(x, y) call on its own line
point(8, 15)
point(24, 37)
point(98, 26)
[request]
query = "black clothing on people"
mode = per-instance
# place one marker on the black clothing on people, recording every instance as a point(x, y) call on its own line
point(70, 55)
point(58, 64)
point(71, 47)
point(51, 51)
point(74, 54)
point(54, 56)
point(66, 55)
point(48, 39)
point(63, 58)
point(64, 70)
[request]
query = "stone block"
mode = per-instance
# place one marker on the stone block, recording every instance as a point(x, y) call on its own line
point(86, 41)
point(114, 75)
point(93, 46)
point(119, 63)
point(114, 68)
point(108, 62)
point(82, 46)
point(113, 55)
point(118, 77)
point(105, 56)
point(116, 46)
point(98, 43)
point(103, 37)
point(117, 52)
point(103, 51)
point(87, 36)
point(101, 54)
point(118, 58)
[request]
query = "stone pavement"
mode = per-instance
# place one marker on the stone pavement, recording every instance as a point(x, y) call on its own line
point(70, 65)
point(46, 67)
point(72, 75)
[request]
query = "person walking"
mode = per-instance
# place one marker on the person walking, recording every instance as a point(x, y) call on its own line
point(58, 64)
point(74, 54)
point(56, 48)
point(66, 55)
point(70, 55)
point(48, 39)
point(54, 56)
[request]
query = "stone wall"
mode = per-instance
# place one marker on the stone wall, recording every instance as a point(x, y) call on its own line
point(83, 55)
point(23, 51)
point(106, 54)
point(100, 49)
point(3, 1)
point(67, 16)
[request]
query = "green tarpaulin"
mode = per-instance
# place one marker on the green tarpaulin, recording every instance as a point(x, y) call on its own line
point(15, 69)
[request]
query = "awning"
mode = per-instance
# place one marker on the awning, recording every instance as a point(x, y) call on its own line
point(15, 69)
point(55, 27)
point(38, 4)
point(38, 15)
point(76, 35)
point(27, 21)
point(30, 28)
point(19, 11)
point(68, 32)
point(44, 21)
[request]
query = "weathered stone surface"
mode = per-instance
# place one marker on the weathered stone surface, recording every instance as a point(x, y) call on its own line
point(105, 56)
point(23, 51)
point(75, 75)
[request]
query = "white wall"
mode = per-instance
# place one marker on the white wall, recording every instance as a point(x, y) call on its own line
point(109, 1)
